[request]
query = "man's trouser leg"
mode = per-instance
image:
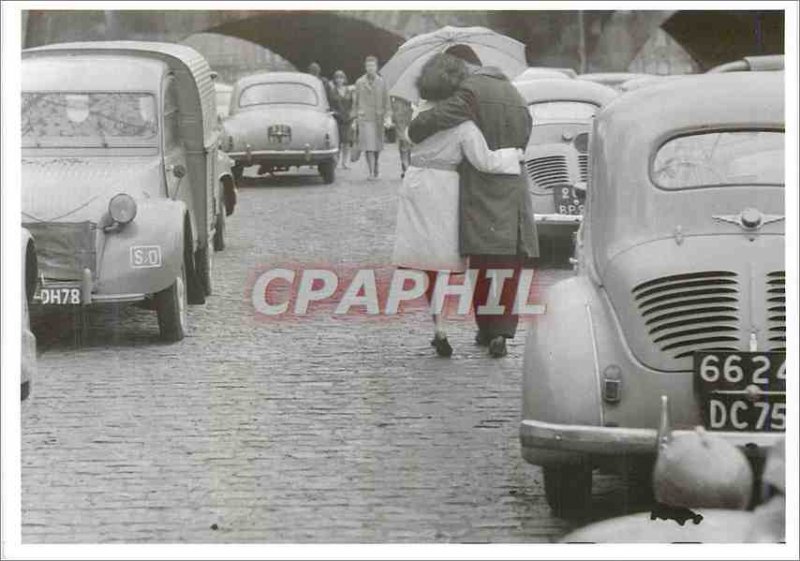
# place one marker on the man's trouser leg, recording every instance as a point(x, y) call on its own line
point(492, 325)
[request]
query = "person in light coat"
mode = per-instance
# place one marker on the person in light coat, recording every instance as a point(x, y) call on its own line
point(427, 231)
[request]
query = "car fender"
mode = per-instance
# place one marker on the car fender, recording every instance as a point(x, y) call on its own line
point(158, 224)
point(228, 192)
point(560, 368)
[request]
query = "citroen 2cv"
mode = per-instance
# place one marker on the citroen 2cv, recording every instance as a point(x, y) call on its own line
point(557, 155)
point(123, 185)
point(679, 285)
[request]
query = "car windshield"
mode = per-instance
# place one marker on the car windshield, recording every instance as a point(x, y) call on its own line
point(278, 92)
point(720, 158)
point(559, 111)
point(88, 117)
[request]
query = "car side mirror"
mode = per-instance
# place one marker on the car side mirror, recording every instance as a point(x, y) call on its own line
point(178, 170)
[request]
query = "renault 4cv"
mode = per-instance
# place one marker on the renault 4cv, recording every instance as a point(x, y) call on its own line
point(124, 187)
point(679, 291)
point(557, 155)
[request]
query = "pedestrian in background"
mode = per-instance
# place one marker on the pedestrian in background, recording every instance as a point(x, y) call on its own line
point(401, 116)
point(371, 108)
point(341, 99)
point(316, 70)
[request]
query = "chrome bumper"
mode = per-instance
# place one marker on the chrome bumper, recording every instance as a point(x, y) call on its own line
point(307, 154)
point(86, 287)
point(613, 441)
point(558, 219)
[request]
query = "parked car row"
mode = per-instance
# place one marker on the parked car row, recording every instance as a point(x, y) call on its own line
point(679, 285)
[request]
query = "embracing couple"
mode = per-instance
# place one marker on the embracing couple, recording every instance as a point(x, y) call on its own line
point(463, 201)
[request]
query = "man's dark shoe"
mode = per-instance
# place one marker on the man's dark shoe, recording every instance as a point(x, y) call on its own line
point(442, 346)
point(497, 347)
point(482, 338)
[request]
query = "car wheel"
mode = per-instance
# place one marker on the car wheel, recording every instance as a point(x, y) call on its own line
point(219, 232)
point(328, 171)
point(171, 304)
point(569, 490)
point(205, 265)
point(25, 390)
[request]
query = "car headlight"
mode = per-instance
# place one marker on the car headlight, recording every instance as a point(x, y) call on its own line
point(581, 142)
point(122, 208)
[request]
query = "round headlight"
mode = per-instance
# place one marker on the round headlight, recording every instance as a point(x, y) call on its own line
point(581, 142)
point(122, 208)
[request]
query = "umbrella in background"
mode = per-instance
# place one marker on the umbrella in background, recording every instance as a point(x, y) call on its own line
point(403, 69)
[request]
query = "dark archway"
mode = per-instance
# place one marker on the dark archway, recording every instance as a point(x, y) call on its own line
point(334, 41)
point(715, 37)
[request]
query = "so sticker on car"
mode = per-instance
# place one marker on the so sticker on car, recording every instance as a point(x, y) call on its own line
point(145, 256)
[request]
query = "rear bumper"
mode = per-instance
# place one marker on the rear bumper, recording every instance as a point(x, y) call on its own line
point(551, 443)
point(287, 157)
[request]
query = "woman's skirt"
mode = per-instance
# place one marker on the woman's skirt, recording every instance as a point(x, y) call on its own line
point(426, 234)
point(370, 136)
point(345, 131)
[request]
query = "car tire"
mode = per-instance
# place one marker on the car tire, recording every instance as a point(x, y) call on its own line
point(171, 305)
point(238, 172)
point(219, 232)
point(25, 390)
point(568, 490)
point(328, 171)
point(205, 266)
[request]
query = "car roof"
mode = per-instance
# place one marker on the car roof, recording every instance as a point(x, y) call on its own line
point(539, 72)
point(92, 72)
point(699, 101)
point(270, 77)
point(565, 89)
point(611, 78)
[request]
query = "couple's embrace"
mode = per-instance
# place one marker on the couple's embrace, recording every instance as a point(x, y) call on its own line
point(463, 202)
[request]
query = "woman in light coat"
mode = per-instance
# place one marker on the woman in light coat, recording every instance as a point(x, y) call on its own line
point(426, 236)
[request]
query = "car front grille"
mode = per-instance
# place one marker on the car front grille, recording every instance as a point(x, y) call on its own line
point(776, 310)
point(548, 171)
point(583, 165)
point(691, 312)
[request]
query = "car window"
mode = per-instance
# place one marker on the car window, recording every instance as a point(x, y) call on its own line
point(278, 92)
point(720, 158)
point(559, 111)
point(88, 116)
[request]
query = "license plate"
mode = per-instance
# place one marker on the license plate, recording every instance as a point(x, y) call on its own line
point(59, 296)
point(279, 133)
point(145, 256)
point(567, 201)
point(742, 391)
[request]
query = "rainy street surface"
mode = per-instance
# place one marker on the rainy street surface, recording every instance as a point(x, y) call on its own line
point(317, 429)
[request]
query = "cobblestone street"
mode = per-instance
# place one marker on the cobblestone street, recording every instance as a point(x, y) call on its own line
point(316, 429)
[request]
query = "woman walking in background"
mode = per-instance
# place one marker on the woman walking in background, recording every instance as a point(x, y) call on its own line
point(371, 107)
point(341, 99)
point(401, 115)
point(426, 236)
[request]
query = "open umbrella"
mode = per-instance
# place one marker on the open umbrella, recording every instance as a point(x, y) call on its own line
point(492, 48)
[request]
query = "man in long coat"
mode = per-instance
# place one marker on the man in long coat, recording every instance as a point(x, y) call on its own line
point(497, 229)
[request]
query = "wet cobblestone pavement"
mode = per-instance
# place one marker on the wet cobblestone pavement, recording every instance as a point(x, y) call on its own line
point(255, 430)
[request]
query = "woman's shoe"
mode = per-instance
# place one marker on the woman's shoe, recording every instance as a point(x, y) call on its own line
point(497, 347)
point(442, 346)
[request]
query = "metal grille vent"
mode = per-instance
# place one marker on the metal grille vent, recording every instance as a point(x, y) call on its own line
point(583, 165)
point(548, 172)
point(691, 312)
point(776, 310)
